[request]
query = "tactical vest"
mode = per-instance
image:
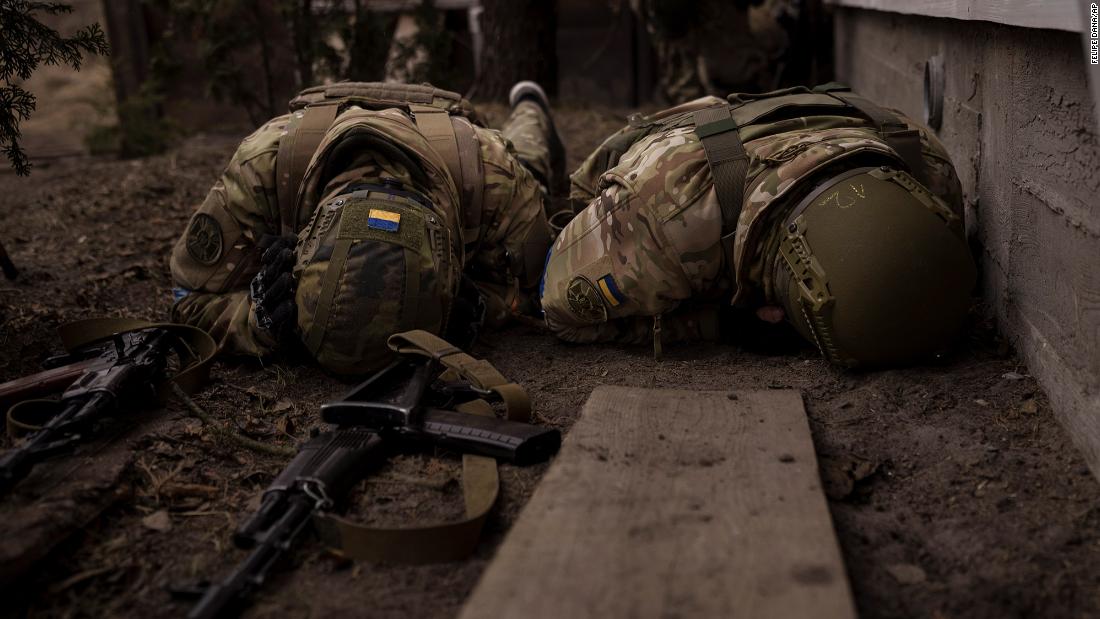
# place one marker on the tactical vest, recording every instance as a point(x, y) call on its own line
point(445, 119)
point(722, 129)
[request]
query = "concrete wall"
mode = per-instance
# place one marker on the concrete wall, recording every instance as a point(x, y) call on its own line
point(1018, 122)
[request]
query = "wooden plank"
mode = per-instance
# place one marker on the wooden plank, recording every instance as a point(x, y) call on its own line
point(674, 504)
point(1052, 14)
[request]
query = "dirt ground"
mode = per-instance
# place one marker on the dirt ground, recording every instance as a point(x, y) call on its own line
point(953, 490)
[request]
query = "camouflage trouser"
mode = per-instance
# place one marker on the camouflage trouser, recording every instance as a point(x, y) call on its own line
point(531, 131)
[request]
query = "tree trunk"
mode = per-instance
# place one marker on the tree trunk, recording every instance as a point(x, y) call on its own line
point(520, 44)
point(126, 27)
point(302, 29)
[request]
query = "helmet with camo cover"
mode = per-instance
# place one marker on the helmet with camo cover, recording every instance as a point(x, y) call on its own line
point(874, 269)
point(374, 261)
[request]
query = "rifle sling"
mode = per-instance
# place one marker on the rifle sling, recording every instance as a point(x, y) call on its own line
point(75, 335)
point(432, 543)
point(478, 372)
point(480, 480)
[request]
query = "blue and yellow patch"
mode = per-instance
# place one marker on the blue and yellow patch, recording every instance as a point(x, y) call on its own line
point(383, 220)
point(610, 290)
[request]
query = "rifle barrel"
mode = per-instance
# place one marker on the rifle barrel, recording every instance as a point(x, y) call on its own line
point(229, 597)
point(17, 463)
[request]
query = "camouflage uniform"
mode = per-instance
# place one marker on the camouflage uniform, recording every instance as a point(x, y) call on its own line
point(645, 254)
point(528, 130)
point(215, 259)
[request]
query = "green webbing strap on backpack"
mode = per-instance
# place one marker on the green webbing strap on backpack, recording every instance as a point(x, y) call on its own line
point(194, 370)
point(325, 298)
point(449, 541)
point(729, 164)
point(473, 183)
point(435, 125)
point(304, 133)
point(895, 132)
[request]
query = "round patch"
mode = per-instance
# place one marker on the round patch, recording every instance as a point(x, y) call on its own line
point(585, 301)
point(204, 239)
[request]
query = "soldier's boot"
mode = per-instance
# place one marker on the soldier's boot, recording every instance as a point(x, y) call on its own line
point(530, 128)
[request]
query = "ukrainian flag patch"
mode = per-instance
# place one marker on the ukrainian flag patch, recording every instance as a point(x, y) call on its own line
point(383, 220)
point(610, 290)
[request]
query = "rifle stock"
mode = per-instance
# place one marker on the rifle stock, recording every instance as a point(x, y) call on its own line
point(117, 379)
point(43, 384)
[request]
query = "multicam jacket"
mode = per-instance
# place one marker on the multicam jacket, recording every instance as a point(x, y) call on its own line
point(215, 259)
point(645, 254)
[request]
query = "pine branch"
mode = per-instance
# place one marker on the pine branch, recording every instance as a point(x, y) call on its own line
point(25, 45)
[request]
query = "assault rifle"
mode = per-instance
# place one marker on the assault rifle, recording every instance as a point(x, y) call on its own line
point(120, 372)
point(405, 403)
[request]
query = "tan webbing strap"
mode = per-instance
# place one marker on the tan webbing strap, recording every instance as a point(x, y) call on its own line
point(303, 135)
point(335, 269)
point(473, 180)
point(434, 543)
point(413, 303)
point(478, 372)
point(201, 346)
point(729, 164)
point(195, 367)
point(895, 132)
point(435, 125)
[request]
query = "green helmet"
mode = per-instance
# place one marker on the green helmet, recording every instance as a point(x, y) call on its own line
point(374, 261)
point(874, 269)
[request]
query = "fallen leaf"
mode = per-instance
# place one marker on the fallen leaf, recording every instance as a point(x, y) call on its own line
point(981, 402)
point(1030, 406)
point(840, 474)
point(158, 521)
point(285, 425)
point(979, 491)
point(907, 573)
point(280, 406)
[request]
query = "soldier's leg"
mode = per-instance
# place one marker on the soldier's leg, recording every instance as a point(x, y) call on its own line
point(530, 129)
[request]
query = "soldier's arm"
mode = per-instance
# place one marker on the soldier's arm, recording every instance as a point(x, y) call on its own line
point(509, 260)
point(612, 271)
point(216, 258)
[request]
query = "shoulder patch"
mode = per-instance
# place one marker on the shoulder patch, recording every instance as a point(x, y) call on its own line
point(585, 301)
point(204, 239)
point(610, 290)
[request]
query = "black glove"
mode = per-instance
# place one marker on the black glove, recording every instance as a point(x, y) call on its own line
point(272, 290)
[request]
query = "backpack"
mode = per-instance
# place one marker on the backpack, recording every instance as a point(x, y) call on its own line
point(719, 126)
point(445, 118)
